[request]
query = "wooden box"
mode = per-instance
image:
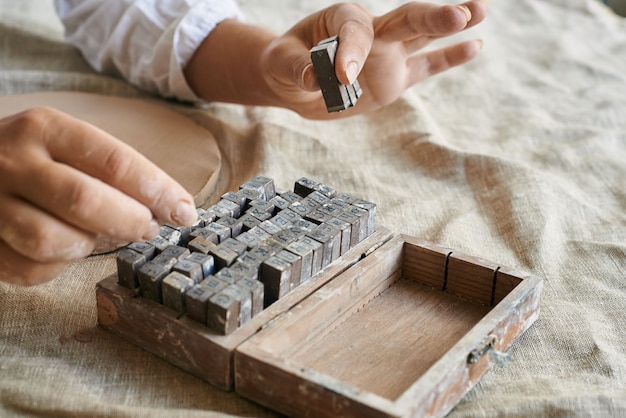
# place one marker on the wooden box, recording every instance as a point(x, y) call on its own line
point(395, 328)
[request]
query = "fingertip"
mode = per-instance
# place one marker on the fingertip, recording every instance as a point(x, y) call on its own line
point(352, 71)
point(153, 230)
point(184, 213)
point(466, 11)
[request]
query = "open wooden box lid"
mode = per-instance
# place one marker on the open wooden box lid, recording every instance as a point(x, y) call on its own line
point(407, 331)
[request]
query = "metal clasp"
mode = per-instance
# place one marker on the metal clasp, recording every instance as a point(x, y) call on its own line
point(487, 346)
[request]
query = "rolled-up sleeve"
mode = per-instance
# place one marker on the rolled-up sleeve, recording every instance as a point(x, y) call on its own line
point(147, 42)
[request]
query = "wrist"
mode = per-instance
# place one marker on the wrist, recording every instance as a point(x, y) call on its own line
point(228, 65)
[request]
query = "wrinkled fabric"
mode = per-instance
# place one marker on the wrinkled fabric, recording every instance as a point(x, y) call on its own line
point(517, 157)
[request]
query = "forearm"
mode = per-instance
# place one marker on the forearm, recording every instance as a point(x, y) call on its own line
point(227, 67)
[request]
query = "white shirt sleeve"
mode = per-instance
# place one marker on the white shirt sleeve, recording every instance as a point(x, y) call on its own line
point(148, 42)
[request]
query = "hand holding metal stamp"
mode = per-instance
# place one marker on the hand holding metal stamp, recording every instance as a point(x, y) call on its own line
point(337, 96)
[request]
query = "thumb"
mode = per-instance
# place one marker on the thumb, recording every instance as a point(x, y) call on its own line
point(288, 61)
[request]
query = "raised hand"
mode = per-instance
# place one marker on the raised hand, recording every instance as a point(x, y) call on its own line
point(246, 64)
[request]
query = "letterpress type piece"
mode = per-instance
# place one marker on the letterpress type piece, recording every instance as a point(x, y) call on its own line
point(207, 234)
point(201, 245)
point(144, 248)
point(279, 203)
point(223, 313)
point(234, 197)
point(346, 231)
point(151, 274)
point(331, 208)
point(244, 298)
point(231, 208)
point(249, 222)
point(291, 196)
point(259, 234)
point(249, 194)
point(281, 221)
point(185, 233)
point(223, 232)
point(236, 246)
point(289, 215)
point(304, 225)
point(159, 243)
point(259, 213)
point(265, 206)
point(244, 270)
point(268, 186)
point(270, 227)
point(196, 300)
point(276, 277)
point(128, 261)
point(311, 203)
point(189, 269)
point(227, 275)
point(363, 216)
point(284, 237)
point(306, 258)
point(206, 217)
point(317, 197)
point(318, 217)
point(255, 288)
point(175, 251)
point(345, 197)
point(171, 234)
point(173, 289)
point(371, 214)
point(256, 186)
point(249, 240)
point(337, 96)
point(326, 190)
point(355, 226)
point(296, 266)
point(234, 224)
point(304, 186)
point(331, 244)
point(223, 256)
point(317, 251)
point(263, 251)
point(206, 262)
point(338, 202)
point(215, 284)
point(300, 209)
point(250, 259)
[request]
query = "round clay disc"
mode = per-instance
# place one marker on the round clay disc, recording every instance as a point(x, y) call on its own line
point(181, 147)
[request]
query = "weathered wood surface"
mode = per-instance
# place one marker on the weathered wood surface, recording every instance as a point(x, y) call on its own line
point(193, 346)
point(345, 352)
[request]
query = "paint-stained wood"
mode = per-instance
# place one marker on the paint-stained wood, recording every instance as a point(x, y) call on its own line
point(395, 328)
point(387, 338)
point(191, 345)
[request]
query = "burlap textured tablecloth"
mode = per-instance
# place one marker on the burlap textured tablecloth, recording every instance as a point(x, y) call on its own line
point(518, 157)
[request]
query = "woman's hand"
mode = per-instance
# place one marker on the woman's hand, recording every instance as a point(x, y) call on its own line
point(249, 65)
point(63, 183)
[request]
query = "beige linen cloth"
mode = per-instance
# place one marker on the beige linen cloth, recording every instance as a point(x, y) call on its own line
point(518, 157)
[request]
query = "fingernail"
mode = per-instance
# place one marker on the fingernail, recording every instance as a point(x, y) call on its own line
point(466, 10)
point(480, 43)
point(352, 71)
point(185, 214)
point(309, 79)
point(154, 230)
